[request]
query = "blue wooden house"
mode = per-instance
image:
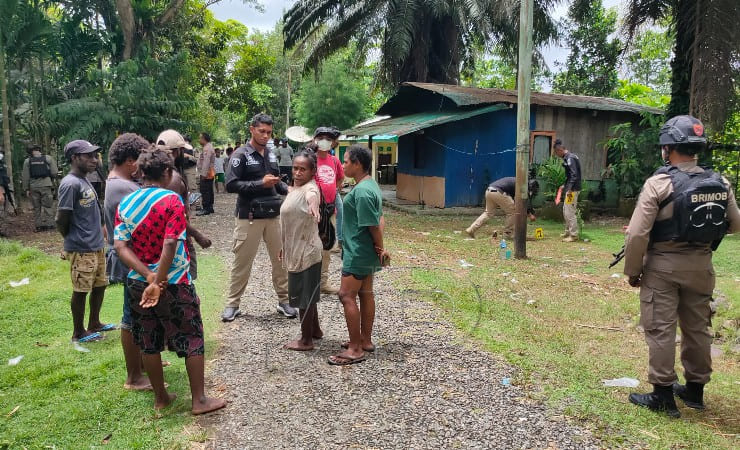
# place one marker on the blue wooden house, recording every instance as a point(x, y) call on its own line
point(453, 140)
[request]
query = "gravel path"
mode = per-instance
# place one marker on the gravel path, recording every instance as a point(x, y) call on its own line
point(426, 386)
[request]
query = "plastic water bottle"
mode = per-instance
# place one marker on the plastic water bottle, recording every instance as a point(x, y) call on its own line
point(503, 250)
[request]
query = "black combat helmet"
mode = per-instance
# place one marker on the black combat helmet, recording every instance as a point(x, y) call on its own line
point(682, 130)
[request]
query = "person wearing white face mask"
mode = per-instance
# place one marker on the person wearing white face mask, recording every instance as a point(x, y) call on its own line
point(329, 176)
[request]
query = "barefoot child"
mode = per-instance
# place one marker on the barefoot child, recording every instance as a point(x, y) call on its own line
point(122, 156)
point(301, 250)
point(150, 239)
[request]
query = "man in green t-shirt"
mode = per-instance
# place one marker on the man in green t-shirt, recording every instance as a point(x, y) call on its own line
point(363, 255)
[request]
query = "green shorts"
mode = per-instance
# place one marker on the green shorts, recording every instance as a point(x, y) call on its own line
point(219, 178)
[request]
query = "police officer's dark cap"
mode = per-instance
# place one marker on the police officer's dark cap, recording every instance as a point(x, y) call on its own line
point(78, 147)
point(682, 130)
point(329, 131)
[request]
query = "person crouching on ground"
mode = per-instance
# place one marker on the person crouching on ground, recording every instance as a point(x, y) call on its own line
point(302, 247)
point(363, 255)
point(80, 222)
point(500, 194)
point(150, 239)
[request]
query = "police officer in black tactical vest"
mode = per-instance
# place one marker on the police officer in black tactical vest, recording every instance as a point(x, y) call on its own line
point(682, 214)
point(38, 176)
point(255, 176)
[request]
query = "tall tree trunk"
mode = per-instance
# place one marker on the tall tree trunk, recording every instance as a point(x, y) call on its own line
point(42, 103)
point(681, 64)
point(693, 110)
point(34, 87)
point(6, 112)
point(128, 27)
point(131, 32)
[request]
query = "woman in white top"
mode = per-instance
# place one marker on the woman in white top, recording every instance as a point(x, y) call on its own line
point(301, 251)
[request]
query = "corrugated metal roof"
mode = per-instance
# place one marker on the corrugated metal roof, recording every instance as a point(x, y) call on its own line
point(376, 138)
point(403, 125)
point(468, 96)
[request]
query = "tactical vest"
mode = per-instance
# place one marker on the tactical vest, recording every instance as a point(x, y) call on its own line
point(39, 167)
point(699, 208)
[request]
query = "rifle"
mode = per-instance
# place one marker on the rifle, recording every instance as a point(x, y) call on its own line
point(617, 257)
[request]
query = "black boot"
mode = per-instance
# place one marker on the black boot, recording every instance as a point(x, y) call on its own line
point(661, 399)
point(692, 394)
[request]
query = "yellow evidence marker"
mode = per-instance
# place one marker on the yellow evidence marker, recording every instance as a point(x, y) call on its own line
point(539, 233)
point(569, 198)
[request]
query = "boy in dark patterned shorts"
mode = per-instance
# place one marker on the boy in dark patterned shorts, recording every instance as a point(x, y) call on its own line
point(150, 239)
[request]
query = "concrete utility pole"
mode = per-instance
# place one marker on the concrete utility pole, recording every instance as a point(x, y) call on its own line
point(524, 77)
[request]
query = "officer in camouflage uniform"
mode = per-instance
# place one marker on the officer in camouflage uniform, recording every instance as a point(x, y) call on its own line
point(681, 216)
point(38, 176)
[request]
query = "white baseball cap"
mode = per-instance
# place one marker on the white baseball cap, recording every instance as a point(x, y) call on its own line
point(171, 139)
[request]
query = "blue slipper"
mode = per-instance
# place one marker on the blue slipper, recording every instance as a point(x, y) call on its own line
point(108, 327)
point(89, 338)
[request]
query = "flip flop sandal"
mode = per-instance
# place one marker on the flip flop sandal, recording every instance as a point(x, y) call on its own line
point(93, 337)
point(145, 388)
point(345, 360)
point(368, 349)
point(108, 327)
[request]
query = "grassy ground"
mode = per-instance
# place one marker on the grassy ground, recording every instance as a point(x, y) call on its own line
point(57, 397)
point(564, 320)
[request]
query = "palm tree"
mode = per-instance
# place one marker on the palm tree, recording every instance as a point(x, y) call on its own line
point(23, 31)
point(420, 40)
point(706, 56)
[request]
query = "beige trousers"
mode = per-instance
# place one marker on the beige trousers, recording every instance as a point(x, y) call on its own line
point(495, 199)
point(325, 261)
point(569, 213)
point(247, 238)
point(191, 179)
point(682, 297)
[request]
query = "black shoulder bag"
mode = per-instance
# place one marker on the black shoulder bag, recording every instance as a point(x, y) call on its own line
point(265, 207)
point(326, 228)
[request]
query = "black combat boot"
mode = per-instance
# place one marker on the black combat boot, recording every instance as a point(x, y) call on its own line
point(692, 394)
point(661, 399)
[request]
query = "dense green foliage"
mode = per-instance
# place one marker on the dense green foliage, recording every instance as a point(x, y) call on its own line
point(337, 95)
point(68, 76)
point(492, 69)
point(633, 156)
point(641, 94)
point(648, 57)
point(144, 95)
point(591, 68)
point(726, 154)
point(705, 63)
point(552, 173)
